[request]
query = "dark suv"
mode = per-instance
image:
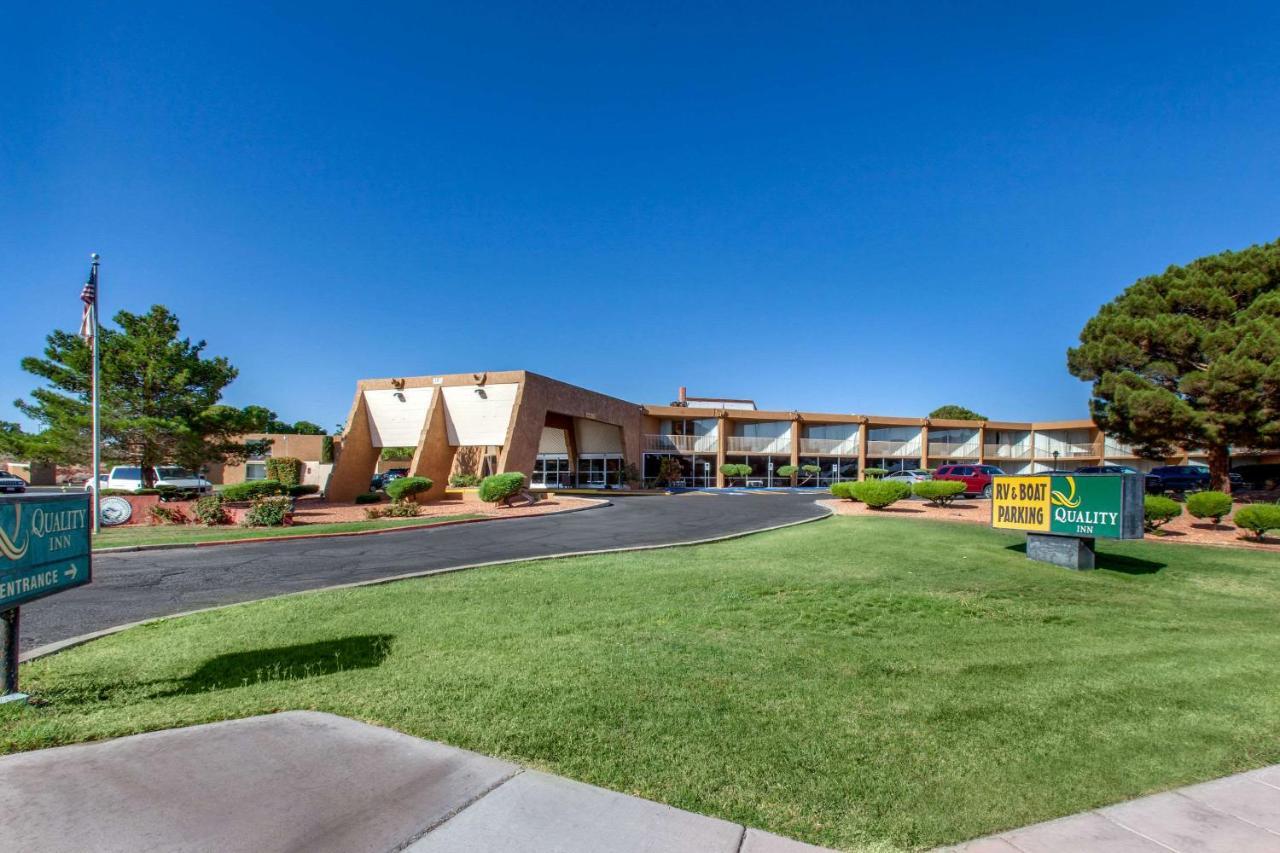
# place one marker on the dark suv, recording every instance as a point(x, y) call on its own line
point(976, 478)
point(1153, 482)
point(1180, 478)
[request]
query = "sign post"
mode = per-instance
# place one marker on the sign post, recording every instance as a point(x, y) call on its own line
point(1063, 514)
point(44, 549)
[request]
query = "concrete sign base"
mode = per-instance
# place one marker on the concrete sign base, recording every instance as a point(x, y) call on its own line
point(1070, 552)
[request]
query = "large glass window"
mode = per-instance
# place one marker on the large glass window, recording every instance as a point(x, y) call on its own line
point(833, 432)
point(551, 470)
point(598, 470)
point(767, 429)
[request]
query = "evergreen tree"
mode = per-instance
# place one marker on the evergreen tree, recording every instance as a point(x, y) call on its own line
point(159, 397)
point(952, 412)
point(1190, 358)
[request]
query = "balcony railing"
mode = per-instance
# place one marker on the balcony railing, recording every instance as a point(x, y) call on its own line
point(829, 446)
point(904, 449)
point(1006, 451)
point(681, 443)
point(1067, 451)
point(758, 444)
point(943, 450)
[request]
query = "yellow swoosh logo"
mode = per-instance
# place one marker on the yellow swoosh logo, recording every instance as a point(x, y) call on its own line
point(1069, 501)
point(8, 548)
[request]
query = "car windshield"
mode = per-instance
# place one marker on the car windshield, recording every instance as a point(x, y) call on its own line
point(170, 472)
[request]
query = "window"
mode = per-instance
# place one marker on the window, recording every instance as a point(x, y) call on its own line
point(255, 471)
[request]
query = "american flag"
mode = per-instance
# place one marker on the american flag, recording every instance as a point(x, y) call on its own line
point(89, 296)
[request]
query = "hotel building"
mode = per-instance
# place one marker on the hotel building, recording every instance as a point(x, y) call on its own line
point(564, 436)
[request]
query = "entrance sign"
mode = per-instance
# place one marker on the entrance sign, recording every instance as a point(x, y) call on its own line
point(44, 549)
point(1062, 514)
point(1093, 505)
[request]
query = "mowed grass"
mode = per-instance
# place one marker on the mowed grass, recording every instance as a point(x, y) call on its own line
point(190, 534)
point(864, 683)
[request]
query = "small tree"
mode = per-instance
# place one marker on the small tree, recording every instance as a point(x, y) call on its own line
point(1215, 505)
point(669, 471)
point(1157, 511)
point(952, 412)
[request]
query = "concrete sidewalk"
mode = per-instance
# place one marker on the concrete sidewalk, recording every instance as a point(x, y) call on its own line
point(309, 781)
point(1237, 814)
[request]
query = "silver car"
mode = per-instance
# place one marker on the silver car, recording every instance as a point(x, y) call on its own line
point(909, 477)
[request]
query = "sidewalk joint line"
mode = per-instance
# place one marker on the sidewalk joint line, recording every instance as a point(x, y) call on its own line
point(1213, 808)
point(1130, 829)
point(441, 821)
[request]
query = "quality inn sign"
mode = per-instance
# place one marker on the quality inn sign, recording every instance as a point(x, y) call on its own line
point(1084, 505)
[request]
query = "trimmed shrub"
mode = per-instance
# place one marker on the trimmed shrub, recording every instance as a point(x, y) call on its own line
point(326, 450)
point(736, 469)
point(464, 481)
point(302, 489)
point(1215, 505)
point(115, 493)
point(405, 488)
point(148, 491)
point(787, 470)
point(498, 487)
point(167, 514)
point(252, 489)
point(209, 510)
point(879, 494)
point(273, 511)
point(1258, 518)
point(875, 473)
point(938, 492)
point(390, 453)
point(1157, 511)
point(286, 470)
point(844, 489)
point(369, 498)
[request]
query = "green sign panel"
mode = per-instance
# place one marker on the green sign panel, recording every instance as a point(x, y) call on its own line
point(1087, 505)
point(44, 546)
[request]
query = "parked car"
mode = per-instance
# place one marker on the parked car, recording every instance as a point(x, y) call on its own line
point(129, 478)
point(909, 477)
point(12, 483)
point(1153, 482)
point(1257, 476)
point(976, 478)
point(1181, 478)
point(380, 481)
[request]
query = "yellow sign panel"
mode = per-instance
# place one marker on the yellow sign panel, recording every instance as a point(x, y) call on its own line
point(1021, 503)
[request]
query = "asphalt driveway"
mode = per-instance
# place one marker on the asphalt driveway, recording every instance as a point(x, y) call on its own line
point(128, 587)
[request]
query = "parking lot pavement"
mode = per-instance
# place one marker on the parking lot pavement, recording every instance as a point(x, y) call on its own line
point(128, 587)
point(303, 780)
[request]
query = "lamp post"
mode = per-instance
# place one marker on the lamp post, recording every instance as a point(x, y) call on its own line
point(1055, 460)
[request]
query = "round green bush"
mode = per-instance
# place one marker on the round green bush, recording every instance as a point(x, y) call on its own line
point(1258, 518)
point(1157, 511)
point(252, 489)
point(843, 489)
point(269, 511)
point(498, 487)
point(938, 492)
point(368, 498)
point(406, 487)
point(879, 494)
point(209, 511)
point(1213, 505)
point(875, 473)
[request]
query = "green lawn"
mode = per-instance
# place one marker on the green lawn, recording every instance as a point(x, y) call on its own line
point(866, 683)
point(191, 534)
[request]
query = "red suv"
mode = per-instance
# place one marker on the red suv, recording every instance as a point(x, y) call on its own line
point(976, 478)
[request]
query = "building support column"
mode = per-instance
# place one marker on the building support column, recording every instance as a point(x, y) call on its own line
point(862, 450)
point(722, 439)
point(924, 446)
point(982, 444)
point(795, 451)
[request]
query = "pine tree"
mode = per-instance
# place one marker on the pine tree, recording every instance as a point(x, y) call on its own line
point(1190, 358)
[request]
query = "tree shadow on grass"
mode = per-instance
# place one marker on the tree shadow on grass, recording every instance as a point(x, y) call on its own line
point(283, 663)
point(1111, 562)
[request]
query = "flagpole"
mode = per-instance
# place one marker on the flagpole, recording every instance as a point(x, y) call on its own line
point(97, 428)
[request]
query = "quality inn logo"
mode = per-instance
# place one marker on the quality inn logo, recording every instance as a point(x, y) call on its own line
point(1069, 501)
point(8, 545)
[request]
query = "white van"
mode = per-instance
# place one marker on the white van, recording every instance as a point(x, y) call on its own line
point(129, 478)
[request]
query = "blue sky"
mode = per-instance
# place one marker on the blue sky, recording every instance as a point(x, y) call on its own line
point(830, 207)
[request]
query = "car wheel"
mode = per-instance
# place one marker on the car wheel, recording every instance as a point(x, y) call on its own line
point(986, 492)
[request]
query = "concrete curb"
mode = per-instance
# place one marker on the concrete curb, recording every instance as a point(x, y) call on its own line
point(60, 645)
point(174, 546)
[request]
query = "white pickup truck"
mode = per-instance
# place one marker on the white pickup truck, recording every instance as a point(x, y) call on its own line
point(129, 478)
